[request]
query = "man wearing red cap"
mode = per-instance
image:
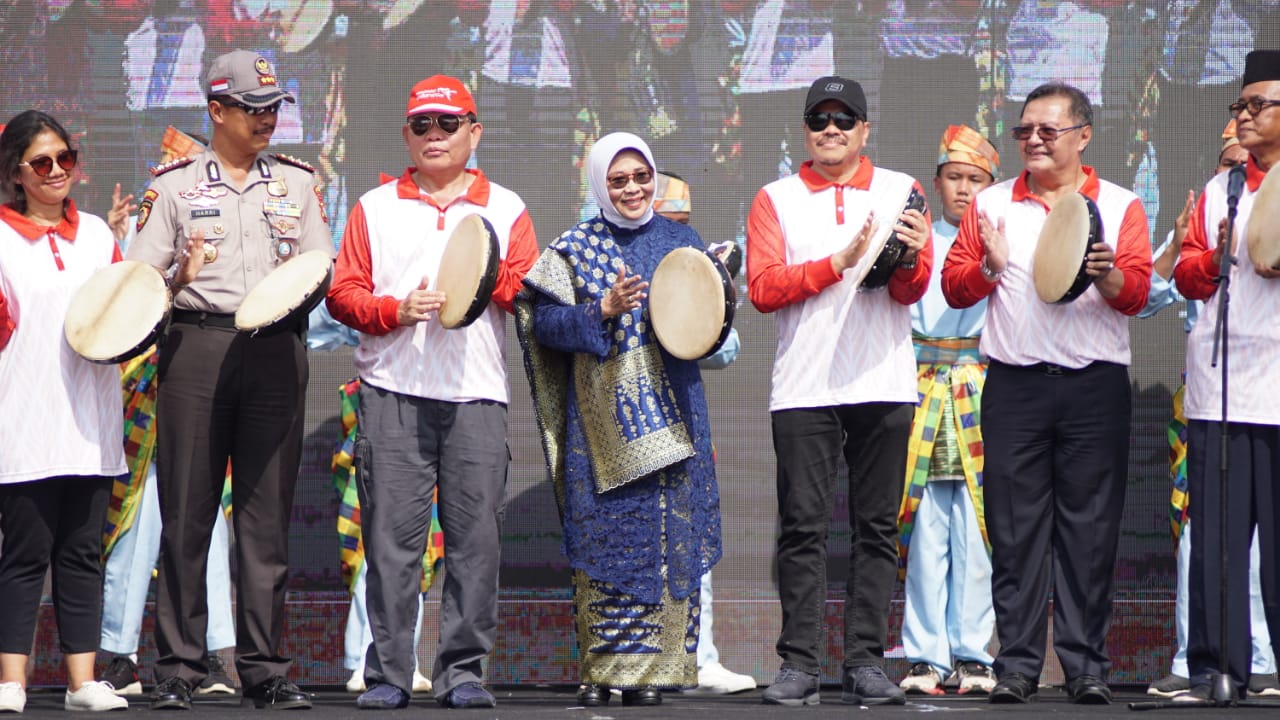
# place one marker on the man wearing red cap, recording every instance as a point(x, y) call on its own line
point(1252, 411)
point(433, 401)
point(219, 222)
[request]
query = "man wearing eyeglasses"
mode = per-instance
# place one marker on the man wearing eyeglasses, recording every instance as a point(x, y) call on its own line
point(1253, 403)
point(433, 401)
point(844, 384)
point(1056, 404)
point(218, 223)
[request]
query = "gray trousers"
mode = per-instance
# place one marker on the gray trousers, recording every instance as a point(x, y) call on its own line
point(405, 446)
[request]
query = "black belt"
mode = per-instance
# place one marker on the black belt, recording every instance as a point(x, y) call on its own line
point(1049, 369)
point(195, 317)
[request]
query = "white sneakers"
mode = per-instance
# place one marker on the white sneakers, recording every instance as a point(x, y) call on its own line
point(420, 683)
point(94, 696)
point(12, 697)
point(716, 679)
point(355, 684)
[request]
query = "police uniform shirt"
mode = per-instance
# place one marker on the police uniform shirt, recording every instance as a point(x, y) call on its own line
point(248, 232)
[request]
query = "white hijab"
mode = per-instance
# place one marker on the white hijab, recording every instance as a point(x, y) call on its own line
point(598, 162)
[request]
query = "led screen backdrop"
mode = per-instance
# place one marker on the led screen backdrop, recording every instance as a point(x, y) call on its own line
point(717, 88)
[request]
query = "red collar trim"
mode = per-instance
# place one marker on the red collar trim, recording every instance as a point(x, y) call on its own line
point(1090, 188)
point(478, 193)
point(816, 182)
point(1253, 175)
point(66, 229)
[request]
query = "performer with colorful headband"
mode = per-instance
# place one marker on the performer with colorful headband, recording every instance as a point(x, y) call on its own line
point(627, 438)
point(672, 200)
point(844, 383)
point(948, 619)
point(446, 389)
point(1056, 403)
point(1253, 402)
point(218, 223)
point(1262, 672)
point(62, 445)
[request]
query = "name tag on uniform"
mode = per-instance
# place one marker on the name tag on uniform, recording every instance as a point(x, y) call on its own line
point(282, 206)
point(205, 213)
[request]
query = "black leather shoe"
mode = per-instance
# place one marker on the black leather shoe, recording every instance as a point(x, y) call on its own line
point(1088, 690)
point(1013, 688)
point(593, 695)
point(172, 693)
point(277, 694)
point(643, 697)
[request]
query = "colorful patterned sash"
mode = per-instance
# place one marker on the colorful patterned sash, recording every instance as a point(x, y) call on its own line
point(949, 374)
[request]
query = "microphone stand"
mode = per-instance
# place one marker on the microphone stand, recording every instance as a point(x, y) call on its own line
point(1222, 692)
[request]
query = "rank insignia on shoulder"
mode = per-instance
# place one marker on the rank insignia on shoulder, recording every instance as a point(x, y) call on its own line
point(174, 164)
point(296, 162)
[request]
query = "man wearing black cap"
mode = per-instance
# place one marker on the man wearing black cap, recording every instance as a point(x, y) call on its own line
point(1253, 409)
point(844, 383)
point(223, 220)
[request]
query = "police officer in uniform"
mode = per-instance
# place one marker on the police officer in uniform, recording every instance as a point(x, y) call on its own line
point(218, 223)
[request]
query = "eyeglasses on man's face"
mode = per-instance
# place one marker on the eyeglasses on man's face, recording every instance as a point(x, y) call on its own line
point(1254, 105)
point(42, 165)
point(641, 177)
point(818, 121)
point(420, 124)
point(1047, 134)
point(249, 109)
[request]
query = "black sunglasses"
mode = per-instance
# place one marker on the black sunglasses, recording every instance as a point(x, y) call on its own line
point(249, 109)
point(42, 165)
point(818, 122)
point(420, 124)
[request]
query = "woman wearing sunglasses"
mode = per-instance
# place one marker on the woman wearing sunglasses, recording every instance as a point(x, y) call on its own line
point(626, 435)
point(58, 457)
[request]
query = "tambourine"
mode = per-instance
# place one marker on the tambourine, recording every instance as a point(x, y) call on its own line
point(691, 303)
point(1062, 252)
point(1262, 235)
point(118, 313)
point(889, 254)
point(285, 296)
point(468, 272)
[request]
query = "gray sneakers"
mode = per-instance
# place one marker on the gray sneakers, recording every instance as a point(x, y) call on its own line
point(868, 685)
point(793, 687)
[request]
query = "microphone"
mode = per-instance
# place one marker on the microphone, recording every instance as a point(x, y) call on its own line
point(1235, 186)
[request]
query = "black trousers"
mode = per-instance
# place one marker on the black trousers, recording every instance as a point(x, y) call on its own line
point(1253, 452)
point(1056, 452)
point(809, 443)
point(56, 521)
point(225, 396)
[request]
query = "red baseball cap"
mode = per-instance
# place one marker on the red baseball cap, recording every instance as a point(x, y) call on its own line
point(440, 94)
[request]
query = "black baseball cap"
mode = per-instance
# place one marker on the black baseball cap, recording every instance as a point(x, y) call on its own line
point(833, 87)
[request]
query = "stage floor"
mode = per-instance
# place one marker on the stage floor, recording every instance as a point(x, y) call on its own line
point(519, 703)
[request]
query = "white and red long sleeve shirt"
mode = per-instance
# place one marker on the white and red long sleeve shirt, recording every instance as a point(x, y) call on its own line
point(836, 345)
point(64, 413)
point(1254, 394)
point(1021, 328)
point(394, 237)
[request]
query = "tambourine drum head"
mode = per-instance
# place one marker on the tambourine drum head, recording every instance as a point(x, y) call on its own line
point(691, 301)
point(468, 272)
point(1263, 231)
point(118, 313)
point(1057, 269)
point(288, 293)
